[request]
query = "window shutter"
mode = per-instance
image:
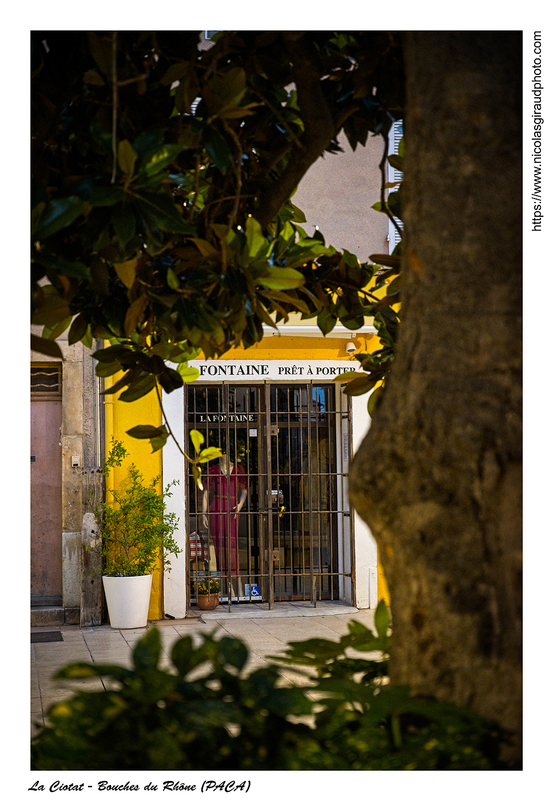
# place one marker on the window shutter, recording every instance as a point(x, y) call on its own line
point(394, 175)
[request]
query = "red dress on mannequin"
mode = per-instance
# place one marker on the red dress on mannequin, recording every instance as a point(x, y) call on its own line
point(225, 491)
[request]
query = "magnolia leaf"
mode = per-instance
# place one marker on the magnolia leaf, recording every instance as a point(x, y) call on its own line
point(106, 196)
point(299, 216)
point(78, 329)
point(123, 221)
point(375, 399)
point(255, 239)
point(126, 157)
point(382, 619)
point(287, 298)
point(232, 86)
point(281, 278)
point(159, 209)
point(210, 453)
point(55, 331)
point(386, 260)
point(187, 373)
point(160, 159)
point(57, 214)
point(218, 149)
point(45, 346)
point(205, 248)
point(93, 78)
point(147, 650)
point(72, 269)
point(146, 431)
point(52, 310)
point(326, 321)
point(346, 377)
point(115, 352)
point(175, 73)
point(396, 162)
point(159, 441)
point(138, 389)
point(106, 370)
point(357, 387)
point(126, 271)
point(172, 280)
point(134, 314)
point(197, 440)
point(177, 355)
point(169, 379)
point(100, 50)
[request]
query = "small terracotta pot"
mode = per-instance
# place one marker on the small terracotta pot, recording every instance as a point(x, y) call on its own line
point(207, 602)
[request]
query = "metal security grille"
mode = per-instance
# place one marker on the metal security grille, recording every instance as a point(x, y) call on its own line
point(272, 521)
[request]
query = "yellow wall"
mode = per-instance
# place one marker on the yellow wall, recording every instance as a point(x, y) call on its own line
point(304, 347)
point(383, 591)
point(119, 418)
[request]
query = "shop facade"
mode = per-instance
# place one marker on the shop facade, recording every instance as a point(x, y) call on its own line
point(272, 521)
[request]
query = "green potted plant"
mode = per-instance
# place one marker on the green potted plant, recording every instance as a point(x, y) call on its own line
point(137, 538)
point(208, 594)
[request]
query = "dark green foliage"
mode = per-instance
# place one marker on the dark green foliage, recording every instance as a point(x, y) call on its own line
point(206, 713)
point(161, 184)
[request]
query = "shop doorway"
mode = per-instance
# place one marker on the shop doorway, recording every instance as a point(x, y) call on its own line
point(272, 521)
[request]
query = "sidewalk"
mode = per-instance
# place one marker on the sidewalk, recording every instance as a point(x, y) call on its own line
point(265, 632)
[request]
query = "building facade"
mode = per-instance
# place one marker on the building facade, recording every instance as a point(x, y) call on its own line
point(272, 521)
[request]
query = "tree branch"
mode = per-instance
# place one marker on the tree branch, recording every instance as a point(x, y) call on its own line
point(319, 128)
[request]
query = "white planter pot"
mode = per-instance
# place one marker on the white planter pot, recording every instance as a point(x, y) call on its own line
point(128, 599)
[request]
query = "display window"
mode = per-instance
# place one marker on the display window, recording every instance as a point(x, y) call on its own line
point(271, 522)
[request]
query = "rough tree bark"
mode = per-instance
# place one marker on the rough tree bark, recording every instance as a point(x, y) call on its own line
point(438, 477)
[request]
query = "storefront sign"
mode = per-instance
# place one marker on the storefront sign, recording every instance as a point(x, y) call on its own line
point(273, 370)
point(231, 418)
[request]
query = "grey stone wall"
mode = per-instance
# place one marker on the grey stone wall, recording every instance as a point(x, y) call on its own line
point(81, 441)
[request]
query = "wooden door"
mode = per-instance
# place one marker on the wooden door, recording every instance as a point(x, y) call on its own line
point(46, 503)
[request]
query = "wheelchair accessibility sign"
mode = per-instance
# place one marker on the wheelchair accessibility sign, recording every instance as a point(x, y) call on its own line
point(252, 590)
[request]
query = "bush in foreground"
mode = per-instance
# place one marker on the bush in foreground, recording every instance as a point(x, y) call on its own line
point(208, 711)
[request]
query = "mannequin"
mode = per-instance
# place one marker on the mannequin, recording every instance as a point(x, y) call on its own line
point(226, 491)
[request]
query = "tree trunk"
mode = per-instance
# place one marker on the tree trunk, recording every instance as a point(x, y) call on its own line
point(438, 477)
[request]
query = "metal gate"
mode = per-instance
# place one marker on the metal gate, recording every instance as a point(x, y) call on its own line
point(272, 522)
